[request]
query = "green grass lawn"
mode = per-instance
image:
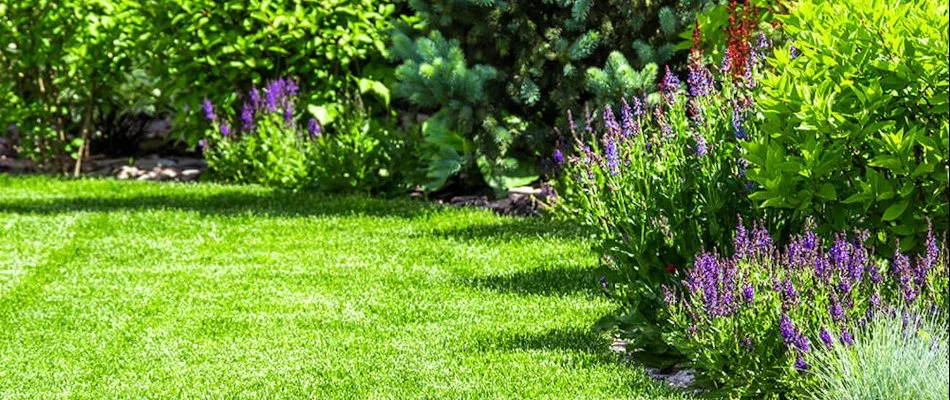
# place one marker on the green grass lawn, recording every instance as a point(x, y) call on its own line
point(125, 289)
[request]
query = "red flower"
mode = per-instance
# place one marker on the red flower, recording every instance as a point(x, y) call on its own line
point(671, 268)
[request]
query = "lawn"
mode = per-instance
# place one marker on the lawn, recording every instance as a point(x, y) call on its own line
point(128, 289)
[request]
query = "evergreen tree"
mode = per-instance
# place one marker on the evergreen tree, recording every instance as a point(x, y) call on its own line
point(497, 74)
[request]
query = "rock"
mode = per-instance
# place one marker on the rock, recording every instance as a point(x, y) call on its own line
point(166, 174)
point(129, 172)
point(682, 379)
point(525, 191)
point(189, 174)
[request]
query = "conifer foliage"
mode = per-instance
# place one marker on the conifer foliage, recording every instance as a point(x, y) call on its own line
point(496, 73)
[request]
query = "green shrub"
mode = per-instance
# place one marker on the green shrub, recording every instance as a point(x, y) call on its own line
point(857, 123)
point(525, 62)
point(659, 185)
point(62, 63)
point(265, 145)
point(205, 48)
point(891, 358)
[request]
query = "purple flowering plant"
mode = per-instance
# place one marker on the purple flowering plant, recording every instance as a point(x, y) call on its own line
point(269, 144)
point(657, 179)
point(752, 322)
point(264, 143)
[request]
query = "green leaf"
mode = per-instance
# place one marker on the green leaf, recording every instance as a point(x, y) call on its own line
point(895, 210)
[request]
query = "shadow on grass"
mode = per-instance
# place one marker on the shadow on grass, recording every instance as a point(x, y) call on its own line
point(221, 202)
point(548, 281)
point(516, 228)
point(570, 339)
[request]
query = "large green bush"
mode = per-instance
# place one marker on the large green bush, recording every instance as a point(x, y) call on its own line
point(497, 73)
point(61, 63)
point(333, 48)
point(857, 123)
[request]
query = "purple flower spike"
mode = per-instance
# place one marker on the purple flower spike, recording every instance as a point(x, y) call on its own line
point(225, 130)
point(800, 364)
point(255, 96)
point(669, 85)
point(208, 109)
point(247, 117)
point(846, 337)
point(288, 114)
point(202, 143)
point(291, 87)
point(630, 128)
point(668, 295)
point(637, 106)
point(787, 329)
point(558, 157)
point(825, 337)
point(612, 156)
point(802, 343)
point(313, 127)
point(702, 148)
point(748, 293)
point(837, 313)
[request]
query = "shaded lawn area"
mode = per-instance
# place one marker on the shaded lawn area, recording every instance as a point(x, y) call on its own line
point(127, 289)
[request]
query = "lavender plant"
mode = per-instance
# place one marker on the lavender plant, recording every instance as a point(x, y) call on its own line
point(660, 181)
point(265, 144)
point(752, 322)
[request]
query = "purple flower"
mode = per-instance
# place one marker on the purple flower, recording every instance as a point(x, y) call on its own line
point(933, 252)
point(787, 329)
point(255, 96)
point(630, 127)
point(726, 66)
point(274, 93)
point(837, 313)
point(802, 343)
point(669, 85)
point(668, 295)
point(762, 240)
point(875, 300)
point(290, 87)
point(741, 242)
point(558, 157)
point(825, 337)
point(800, 364)
point(603, 282)
point(789, 294)
point(793, 51)
point(225, 130)
point(699, 79)
point(846, 337)
point(611, 155)
point(202, 143)
point(747, 343)
point(289, 114)
point(209, 110)
point(247, 117)
point(637, 106)
point(702, 148)
point(748, 293)
point(313, 127)
point(610, 122)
